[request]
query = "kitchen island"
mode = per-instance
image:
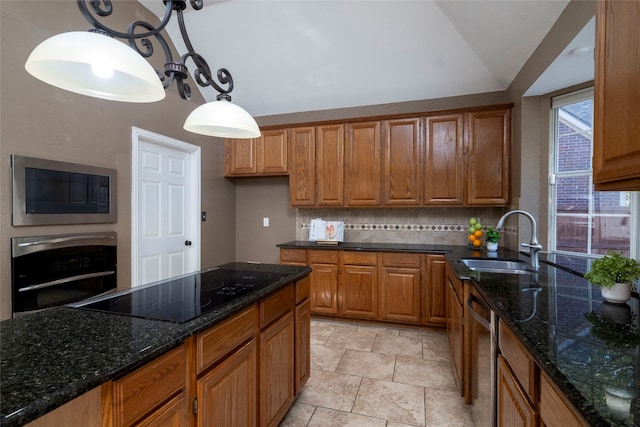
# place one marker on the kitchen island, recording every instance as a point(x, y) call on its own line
point(52, 357)
point(585, 347)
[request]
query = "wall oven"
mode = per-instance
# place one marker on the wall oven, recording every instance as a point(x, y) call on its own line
point(47, 271)
point(483, 352)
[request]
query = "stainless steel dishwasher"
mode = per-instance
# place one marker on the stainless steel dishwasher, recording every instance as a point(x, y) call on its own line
point(483, 352)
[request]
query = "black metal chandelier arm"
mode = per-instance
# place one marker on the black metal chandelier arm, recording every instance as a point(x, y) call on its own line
point(202, 73)
point(104, 8)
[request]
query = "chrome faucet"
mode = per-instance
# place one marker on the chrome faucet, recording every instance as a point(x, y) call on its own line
point(533, 245)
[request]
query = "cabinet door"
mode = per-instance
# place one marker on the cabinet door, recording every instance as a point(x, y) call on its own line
point(433, 286)
point(227, 395)
point(241, 157)
point(514, 408)
point(489, 141)
point(303, 344)
point(616, 145)
point(555, 411)
point(174, 413)
point(302, 167)
point(276, 370)
point(272, 152)
point(358, 291)
point(402, 145)
point(329, 165)
point(362, 164)
point(324, 288)
point(400, 289)
point(444, 171)
point(455, 334)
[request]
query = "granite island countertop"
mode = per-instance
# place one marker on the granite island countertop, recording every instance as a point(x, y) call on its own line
point(558, 317)
point(51, 357)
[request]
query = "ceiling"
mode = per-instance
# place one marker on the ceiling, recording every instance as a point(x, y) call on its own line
point(309, 55)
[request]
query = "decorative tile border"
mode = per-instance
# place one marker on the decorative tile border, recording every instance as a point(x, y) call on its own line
point(407, 227)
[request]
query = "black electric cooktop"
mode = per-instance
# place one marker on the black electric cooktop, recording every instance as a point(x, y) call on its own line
point(182, 299)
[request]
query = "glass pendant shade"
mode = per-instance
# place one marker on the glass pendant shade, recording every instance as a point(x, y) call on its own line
point(95, 65)
point(223, 119)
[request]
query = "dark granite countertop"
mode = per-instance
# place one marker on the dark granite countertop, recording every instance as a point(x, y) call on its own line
point(51, 357)
point(584, 354)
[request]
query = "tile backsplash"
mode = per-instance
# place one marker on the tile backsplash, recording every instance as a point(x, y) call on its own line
point(406, 225)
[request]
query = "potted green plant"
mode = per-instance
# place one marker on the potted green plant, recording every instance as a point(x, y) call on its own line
point(614, 273)
point(492, 236)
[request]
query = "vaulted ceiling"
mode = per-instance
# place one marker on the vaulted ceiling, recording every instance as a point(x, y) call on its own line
point(308, 55)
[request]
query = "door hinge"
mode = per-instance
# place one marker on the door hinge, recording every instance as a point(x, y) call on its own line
point(194, 406)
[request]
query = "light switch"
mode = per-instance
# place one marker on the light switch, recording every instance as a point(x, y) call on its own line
point(265, 222)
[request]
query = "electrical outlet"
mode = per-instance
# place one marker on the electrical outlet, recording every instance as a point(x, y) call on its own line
point(265, 222)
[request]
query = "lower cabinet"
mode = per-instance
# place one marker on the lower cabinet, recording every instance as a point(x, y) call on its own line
point(394, 287)
point(455, 328)
point(227, 394)
point(400, 289)
point(514, 408)
point(276, 370)
point(245, 371)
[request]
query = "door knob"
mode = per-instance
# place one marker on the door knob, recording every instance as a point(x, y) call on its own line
point(187, 242)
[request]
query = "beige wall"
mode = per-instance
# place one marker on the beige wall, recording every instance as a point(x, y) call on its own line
point(42, 121)
point(530, 120)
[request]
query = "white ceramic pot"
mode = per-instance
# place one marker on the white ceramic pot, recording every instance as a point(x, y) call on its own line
point(492, 246)
point(618, 293)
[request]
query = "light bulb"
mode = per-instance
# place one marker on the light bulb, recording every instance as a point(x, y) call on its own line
point(102, 69)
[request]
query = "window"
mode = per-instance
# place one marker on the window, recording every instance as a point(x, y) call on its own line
point(585, 221)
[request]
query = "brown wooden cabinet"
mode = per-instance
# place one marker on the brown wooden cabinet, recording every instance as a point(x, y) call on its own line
point(324, 281)
point(443, 161)
point(455, 327)
point(316, 166)
point(358, 285)
point(276, 383)
point(555, 411)
point(514, 408)
point(227, 394)
point(400, 287)
point(302, 325)
point(434, 285)
point(488, 157)
point(616, 144)
point(362, 172)
point(84, 410)
point(266, 155)
point(401, 150)
point(147, 394)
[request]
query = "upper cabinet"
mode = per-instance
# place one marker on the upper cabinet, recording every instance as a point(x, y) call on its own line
point(266, 155)
point(444, 171)
point(488, 157)
point(402, 145)
point(316, 166)
point(362, 178)
point(616, 144)
point(458, 158)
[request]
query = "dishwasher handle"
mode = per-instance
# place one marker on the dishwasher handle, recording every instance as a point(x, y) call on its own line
point(486, 323)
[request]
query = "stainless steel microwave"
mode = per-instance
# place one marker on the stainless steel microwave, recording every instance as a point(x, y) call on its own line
point(49, 192)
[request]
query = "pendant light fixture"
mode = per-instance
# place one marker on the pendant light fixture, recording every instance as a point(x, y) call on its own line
point(95, 64)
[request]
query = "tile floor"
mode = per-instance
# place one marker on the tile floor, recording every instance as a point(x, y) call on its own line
point(370, 375)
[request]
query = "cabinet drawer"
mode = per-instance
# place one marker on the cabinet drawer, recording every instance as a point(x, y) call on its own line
point(518, 358)
point(302, 289)
point(322, 257)
point(554, 410)
point(359, 258)
point(274, 306)
point(147, 387)
point(219, 340)
point(400, 259)
point(293, 255)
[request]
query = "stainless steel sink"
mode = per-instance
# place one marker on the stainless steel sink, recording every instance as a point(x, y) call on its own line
point(497, 266)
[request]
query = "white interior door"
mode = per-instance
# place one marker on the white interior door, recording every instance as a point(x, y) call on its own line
point(165, 207)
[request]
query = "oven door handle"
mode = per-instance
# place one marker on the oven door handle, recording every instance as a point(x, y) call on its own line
point(477, 316)
point(65, 240)
point(65, 280)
